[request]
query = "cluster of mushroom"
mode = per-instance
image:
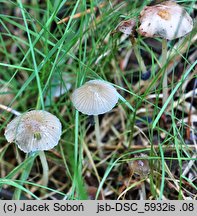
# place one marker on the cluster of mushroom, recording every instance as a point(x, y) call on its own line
point(166, 20)
point(39, 130)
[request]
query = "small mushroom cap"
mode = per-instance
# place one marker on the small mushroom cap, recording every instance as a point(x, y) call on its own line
point(126, 26)
point(140, 166)
point(166, 20)
point(95, 97)
point(35, 130)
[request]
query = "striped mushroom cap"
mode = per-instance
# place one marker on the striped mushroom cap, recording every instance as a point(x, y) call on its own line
point(166, 20)
point(36, 130)
point(95, 97)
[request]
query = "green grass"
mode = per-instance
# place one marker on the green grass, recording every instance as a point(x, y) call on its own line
point(35, 51)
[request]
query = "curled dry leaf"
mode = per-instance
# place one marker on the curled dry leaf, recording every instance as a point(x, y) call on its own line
point(127, 26)
point(35, 130)
point(166, 20)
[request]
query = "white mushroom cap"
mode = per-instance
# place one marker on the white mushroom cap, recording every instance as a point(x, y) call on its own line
point(95, 97)
point(35, 130)
point(166, 20)
point(126, 26)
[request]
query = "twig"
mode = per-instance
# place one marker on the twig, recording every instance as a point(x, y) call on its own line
point(9, 109)
point(189, 115)
point(78, 15)
point(157, 190)
point(138, 147)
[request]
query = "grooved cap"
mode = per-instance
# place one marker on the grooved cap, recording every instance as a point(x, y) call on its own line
point(95, 97)
point(35, 130)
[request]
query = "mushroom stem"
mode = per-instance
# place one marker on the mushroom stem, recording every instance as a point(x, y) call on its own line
point(98, 136)
point(165, 75)
point(45, 168)
point(143, 191)
point(137, 54)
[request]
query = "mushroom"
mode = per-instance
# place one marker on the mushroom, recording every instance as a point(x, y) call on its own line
point(127, 27)
point(95, 97)
point(140, 166)
point(36, 130)
point(168, 21)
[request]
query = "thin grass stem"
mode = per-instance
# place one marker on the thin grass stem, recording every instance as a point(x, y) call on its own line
point(24, 176)
point(138, 55)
